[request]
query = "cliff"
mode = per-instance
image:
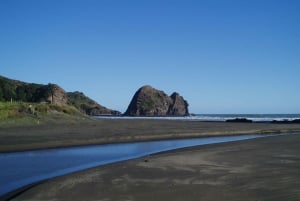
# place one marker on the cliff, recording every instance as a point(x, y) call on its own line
point(148, 101)
point(50, 93)
point(15, 90)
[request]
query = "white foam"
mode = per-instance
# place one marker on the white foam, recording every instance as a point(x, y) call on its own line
point(215, 118)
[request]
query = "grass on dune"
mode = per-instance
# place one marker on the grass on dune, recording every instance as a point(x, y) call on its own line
point(21, 113)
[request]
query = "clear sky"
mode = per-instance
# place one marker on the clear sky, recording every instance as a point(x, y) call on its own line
point(223, 56)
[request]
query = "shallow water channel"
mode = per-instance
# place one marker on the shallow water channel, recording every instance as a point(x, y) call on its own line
point(22, 168)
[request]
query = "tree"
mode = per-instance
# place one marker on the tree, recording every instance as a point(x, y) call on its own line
point(21, 93)
point(1, 94)
point(9, 92)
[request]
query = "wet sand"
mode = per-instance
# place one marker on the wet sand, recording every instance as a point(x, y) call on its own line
point(87, 132)
point(264, 169)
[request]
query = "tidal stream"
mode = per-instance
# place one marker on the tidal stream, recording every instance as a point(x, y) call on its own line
point(19, 169)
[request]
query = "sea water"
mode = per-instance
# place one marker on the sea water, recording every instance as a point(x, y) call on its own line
point(218, 117)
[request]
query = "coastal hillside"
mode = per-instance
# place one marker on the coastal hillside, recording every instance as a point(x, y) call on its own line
point(15, 90)
point(19, 91)
point(87, 105)
point(149, 101)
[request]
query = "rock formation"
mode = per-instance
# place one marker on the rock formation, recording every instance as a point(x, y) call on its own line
point(148, 101)
point(239, 120)
point(179, 106)
point(52, 94)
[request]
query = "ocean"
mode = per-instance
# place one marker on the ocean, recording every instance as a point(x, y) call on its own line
point(218, 117)
point(253, 117)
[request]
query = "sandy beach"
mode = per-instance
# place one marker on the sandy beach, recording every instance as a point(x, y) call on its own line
point(87, 132)
point(259, 169)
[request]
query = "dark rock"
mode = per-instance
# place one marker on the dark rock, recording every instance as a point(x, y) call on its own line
point(286, 121)
point(148, 101)
point(52, 94)
point(239, 120)
point(179, 106)
point(296, 121)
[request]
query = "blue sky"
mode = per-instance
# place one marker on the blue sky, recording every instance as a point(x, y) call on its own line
point(223, 56)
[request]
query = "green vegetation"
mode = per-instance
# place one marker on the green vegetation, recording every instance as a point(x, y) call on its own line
point(20, 109)
point(21, 100)
point(7, 89)
point(25, 92)
point(148, 105)
point(8, 110)
point(154, 99)
point(31, 113)
point(80, 101)
point(86, 105)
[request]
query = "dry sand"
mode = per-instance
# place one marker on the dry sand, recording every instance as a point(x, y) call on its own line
point(252, 170)
point(75, 133)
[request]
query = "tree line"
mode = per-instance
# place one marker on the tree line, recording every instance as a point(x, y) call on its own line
point(18, 91)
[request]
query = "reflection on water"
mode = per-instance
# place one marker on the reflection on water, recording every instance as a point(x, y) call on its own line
point(23, 168)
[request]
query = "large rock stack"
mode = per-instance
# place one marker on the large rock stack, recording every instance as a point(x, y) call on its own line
point(149, 101)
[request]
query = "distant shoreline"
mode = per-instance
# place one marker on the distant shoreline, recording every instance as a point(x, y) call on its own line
point(259, 118)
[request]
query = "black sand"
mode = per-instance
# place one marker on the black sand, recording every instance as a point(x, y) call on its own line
point(86, 132)
point(252, 170)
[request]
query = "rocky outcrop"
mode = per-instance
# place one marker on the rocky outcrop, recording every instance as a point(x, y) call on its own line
point(57, 95)
point(286, 121)
point(239, 120)
point(88, 106)
point(52, 94)
point(179, 106)
point(15, 90)
point(148, 101)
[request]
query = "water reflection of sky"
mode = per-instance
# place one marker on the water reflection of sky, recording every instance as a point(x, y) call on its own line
point(22, 168)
